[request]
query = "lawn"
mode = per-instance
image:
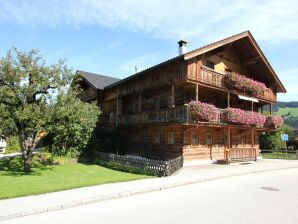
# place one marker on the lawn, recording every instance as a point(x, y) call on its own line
point(279, 155)
point(50, 178)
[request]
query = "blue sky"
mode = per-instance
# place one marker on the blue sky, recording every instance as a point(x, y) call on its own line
point(111, 37)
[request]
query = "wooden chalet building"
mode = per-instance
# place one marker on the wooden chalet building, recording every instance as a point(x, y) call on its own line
point(149, 106)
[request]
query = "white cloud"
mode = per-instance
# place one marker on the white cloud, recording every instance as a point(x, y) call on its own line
point(203, 20)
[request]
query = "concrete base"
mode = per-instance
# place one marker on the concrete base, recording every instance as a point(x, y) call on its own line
point(197, 162)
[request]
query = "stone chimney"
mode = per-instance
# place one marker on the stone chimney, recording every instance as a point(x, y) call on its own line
point(182, 47)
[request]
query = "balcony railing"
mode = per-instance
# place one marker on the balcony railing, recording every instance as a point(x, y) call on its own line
point(214, 78)
point(180, 114)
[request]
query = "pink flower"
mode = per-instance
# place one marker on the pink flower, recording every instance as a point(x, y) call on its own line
point(248, 118)
point(274, 121)
point(203, 111)
point(243, 83)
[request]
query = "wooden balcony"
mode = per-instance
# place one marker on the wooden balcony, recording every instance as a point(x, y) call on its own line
point(179, 114)
point(174, 114)
point(213, 78)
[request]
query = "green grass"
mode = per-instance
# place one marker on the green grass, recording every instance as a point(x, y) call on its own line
point(50, 178)
point(279, 155)
point(286, 110)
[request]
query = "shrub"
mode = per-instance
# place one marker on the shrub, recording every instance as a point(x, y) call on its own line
point(248, 118)
point(109, 140)
point(203, 111)
point(245, 84)
point(12, 144)
point(274, 121)
point(129, 169)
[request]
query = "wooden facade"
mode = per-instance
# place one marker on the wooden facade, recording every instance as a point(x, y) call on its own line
point(149, 106)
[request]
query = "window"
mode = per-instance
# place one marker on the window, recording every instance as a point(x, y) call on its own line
point(194, 138)
point(136, 107)
point(156, 138)
point(156, 104)
point(210, 64)
point(112, 118)
point(171, 138)
point(208, 138)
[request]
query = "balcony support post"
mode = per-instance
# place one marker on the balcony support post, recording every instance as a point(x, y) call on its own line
point(140, 102)
point(270, 109)
point(197, 92)
point(117, 109)
point(173, 96)
point(228, 100)
point(228, 145)
point(252, 106)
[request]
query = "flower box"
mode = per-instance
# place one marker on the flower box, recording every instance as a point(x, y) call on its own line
point(244, 84)
point(274, 121)
point(242, 117)
point(203, 111)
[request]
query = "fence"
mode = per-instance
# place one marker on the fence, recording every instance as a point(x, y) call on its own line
point(161, 167)
point(279, 154)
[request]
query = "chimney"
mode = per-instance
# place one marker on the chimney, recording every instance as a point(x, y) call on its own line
point(182, 47)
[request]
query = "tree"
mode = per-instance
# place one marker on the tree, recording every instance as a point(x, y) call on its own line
point(71, 135)
point(30, 93)
point(272, 140)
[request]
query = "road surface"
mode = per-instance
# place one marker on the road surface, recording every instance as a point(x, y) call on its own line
point(269, 197)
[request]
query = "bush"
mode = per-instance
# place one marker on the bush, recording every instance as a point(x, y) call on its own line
point(128, 169)
point(109, 140)
point(71, 135)
point(203, 111)
point(12, 144)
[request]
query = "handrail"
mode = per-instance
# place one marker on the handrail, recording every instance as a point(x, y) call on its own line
point(216, 79)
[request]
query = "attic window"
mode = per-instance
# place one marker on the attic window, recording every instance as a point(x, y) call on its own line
point(210, 64)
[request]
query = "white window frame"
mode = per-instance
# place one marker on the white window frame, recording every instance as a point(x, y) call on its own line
point(171, 138)
point(196, 139)
point(156, 138)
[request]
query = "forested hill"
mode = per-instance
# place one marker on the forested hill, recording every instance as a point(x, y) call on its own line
point(289, 110)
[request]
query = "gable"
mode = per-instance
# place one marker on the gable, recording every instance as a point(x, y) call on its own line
point(249, 54)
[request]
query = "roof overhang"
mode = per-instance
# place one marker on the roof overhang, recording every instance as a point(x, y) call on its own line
point(235, 38)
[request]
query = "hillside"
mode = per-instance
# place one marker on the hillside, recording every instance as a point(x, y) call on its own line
point(289, 110)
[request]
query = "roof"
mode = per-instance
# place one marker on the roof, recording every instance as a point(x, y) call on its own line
point(96, 80)
point(200, 51)
point(143, 72)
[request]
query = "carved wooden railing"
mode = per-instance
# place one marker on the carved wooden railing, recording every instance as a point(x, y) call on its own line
point(175, 114)
point(236, 154)
point(214, 78)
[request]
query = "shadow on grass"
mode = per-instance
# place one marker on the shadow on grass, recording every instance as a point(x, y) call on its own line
point(14, 167)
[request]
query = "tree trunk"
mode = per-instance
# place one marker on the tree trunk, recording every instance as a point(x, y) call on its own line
point(26, 147)
point(27, 162)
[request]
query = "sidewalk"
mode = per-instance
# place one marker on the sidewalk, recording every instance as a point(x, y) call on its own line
point(22, 206)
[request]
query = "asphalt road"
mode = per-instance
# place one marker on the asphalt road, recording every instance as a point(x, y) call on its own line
point(270, 197)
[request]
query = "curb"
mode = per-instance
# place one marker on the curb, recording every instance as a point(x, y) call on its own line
point(127, 193)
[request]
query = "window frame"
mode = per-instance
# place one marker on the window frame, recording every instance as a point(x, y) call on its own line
point(171, 140)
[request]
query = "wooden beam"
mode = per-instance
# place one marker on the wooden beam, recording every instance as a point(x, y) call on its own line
point(197, 92)
point(270, 109)
point(140, 102)
point(251, 60)
point(252, 138)
point(228, 100)
point(173, 95)
point(252, 106)
point(117, 109)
